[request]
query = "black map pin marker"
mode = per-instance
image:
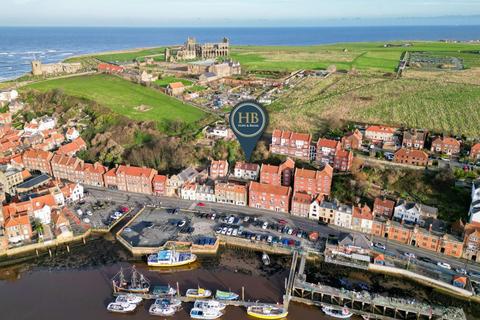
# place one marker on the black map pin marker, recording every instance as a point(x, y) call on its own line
point(248, 120)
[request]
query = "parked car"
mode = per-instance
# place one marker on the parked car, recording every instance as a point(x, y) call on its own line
point(426, 259)
point(265, 225)
point(229, 231)
point(409, 255)
point(79, 212)
point(224, 230)
point(235, 232)
point(231, 219)
point(281, 221)
point(269, 239)
point(181, 223)
point(200, 204)
point(444, 265)
point(89, 213)
point(213, 216)
point(218, 230)
point(246, 219)
point(380, 246)
point(461, 271)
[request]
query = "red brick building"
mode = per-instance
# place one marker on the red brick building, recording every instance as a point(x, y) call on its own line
point(411, 157)
point(352, 140)
point(63, 166)
point(292, 144)
point(231, 193)
point(414, 139)
point(281, 175)
point(301, 204)
point(343, 160)
point(38, 160)
point(131, 179)
point(383, 207)
point(90, 174)
point(159, 184)
point(218, 169)
point(475, 152)
point(313, 182)
point(269, 197)
point(326, 149)
point(73, 147)
point(447, 145)
point(18, 228)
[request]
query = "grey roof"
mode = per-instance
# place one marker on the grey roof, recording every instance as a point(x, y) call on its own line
point(354, 240)
point(188, 174)
point(33, 182)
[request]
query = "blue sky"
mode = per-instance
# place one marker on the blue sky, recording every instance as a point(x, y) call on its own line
point(237, 12)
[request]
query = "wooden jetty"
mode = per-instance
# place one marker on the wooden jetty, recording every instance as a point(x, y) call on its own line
point(364, 303)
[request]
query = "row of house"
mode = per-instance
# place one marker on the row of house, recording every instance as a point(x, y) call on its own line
point(327, 151)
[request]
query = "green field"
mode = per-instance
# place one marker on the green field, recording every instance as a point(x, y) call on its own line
point(124, 97)
point(156, 53)
point(362, 56)
point(165, 81)
point(432, 104)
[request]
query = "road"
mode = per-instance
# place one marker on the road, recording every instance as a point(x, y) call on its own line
point(393, 248)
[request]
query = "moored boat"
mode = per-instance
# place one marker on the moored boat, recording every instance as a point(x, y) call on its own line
point(170, 258)
point(137, 284)
point(340, 313)
point(226, 295)
point(161, 310)
point(265, 259)
point(121, 307)
point(128, 298)
point(172, 302)
point(267, 312)
point(197, 313)
point(209, 305)
point(162, 291)
point(198, 293)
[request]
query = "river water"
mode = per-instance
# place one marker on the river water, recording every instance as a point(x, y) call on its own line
point(77, 285)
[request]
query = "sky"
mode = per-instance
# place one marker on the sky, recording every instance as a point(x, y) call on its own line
point(236, 13)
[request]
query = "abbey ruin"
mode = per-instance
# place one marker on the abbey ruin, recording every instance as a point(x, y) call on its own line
point(40, 69)
point(192, 50)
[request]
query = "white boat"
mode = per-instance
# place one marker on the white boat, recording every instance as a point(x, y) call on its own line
point(265, 259)
point(172, 302)
point(163, 291)
point(197, 313)
point(121, 307)
point(161, 310)
point(170, 258)
point(209, 305)
point(343, 313)
point(198, 293)
point(128, 298)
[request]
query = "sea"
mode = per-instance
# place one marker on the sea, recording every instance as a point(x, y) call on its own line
point(20, 45)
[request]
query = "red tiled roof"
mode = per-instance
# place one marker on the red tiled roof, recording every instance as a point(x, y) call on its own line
point(301, 197)
point(246, 166)
point(17, 220)
point(135, 171)
point(268, 188)
point(362, 212)
point(159, 178)
point(37, 154)
point(381, 129)
point(289, 135)
point(411, 153)
point(476, 148)
point(73, 147)
point(384, 203)
point(327, 143)
point(176, 85)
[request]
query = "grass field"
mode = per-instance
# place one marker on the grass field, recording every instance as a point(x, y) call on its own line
point(124, 97)
point(131, 55)
point(432, 104)
point(165, 81)
point(362, 56)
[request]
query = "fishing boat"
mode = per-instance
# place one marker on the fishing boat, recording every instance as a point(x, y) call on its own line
point(343, 313)
point(265, 259)
point(172, 302)
point(267, 312)
point(209, 305)
point(197, 313)
point(170, 258)
point(198, 293)
point(128, 298)
point(162, 291)
point(226, 295)
point(161, 310)
point(137, 284)
point(121, 307)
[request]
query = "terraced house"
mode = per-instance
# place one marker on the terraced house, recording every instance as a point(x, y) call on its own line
point(130, 178)
point(414, 139)
point(269, 197)
point(231, 193)
point(411, 157)
point(313, 182)
point(37, 160)
point(292, 144)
